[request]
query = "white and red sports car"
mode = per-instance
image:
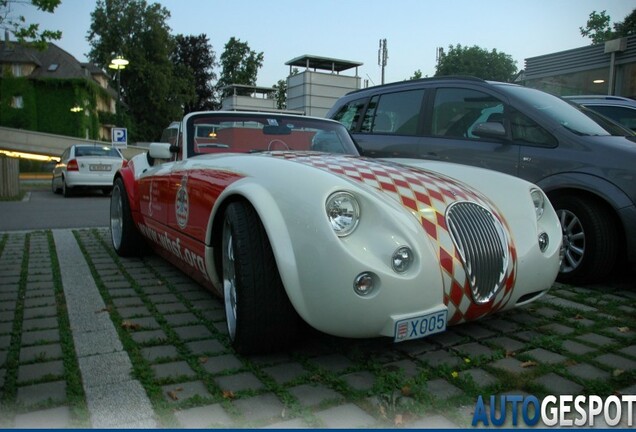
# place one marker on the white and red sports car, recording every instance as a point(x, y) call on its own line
point(281, 217)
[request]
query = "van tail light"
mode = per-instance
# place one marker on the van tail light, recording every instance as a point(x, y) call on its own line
point(72, 165)
point(124, 163)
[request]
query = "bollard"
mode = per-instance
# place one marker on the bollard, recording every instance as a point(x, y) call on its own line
point(9, 177)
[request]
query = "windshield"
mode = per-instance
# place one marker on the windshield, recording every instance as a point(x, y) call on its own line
point(557, 109)
point(222, 132)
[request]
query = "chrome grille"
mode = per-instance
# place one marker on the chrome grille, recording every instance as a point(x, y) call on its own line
point(481, 241)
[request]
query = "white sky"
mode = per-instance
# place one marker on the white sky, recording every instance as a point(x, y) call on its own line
point(351, 29)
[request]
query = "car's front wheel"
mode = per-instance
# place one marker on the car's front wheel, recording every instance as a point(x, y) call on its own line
point(590, 239)
point(124, 234)
point(259, 315)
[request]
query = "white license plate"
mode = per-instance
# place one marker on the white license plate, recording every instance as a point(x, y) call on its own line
point(421, 326)
point(99, 167)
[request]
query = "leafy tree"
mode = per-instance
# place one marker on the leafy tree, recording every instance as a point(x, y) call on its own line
point(281, 94)
point(598, 27)
point(18, 25)
point(627, 27)
point(239, 64)
point(416, 75)
point(150, 88)
point(599, 30)
point(195, 59)
point(478, 62)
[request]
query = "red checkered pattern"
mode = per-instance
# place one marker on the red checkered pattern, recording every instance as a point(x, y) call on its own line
point(416, 190)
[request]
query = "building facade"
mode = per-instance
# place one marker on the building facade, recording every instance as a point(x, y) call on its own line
point(51, 91)
point(602, 69)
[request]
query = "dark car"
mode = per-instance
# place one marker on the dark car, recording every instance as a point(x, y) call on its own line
point(588, 173)
point(620, 109)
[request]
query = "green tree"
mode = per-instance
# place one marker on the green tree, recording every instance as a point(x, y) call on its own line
point(239, 64)
point(281, 94)
point(195, 59)
point(627, 27)
point(478, 62)
point(153, 93)
point(18, 25)
point(416, 75)
point(599, 29)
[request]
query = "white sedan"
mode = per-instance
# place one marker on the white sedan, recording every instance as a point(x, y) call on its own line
point(281, 217)
point(86, 166)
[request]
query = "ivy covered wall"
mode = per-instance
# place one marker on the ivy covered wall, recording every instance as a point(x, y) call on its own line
point(47, 106)
point(19, 118)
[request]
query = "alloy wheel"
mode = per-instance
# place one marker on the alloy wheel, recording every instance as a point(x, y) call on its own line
point(573, 240)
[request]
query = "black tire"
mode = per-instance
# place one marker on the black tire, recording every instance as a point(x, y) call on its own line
point(255, 299)
point(66, 191)
point(107, 191)
point(590, 238)
point(53, 188)
point(126, 239)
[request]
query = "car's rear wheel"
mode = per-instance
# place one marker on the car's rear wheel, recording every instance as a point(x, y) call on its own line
point(54, 189)
point(259, 315)
point(66, 191)
point(590, 239)
point(126, 239)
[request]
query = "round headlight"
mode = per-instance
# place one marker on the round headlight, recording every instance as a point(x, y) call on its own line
point(538, 199)
point(343, 212)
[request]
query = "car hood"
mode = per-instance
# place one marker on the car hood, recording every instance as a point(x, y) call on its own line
point(412, 187)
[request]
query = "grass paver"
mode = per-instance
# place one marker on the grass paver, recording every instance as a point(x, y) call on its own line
point(174, 334)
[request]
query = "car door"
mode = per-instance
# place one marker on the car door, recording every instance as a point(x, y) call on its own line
point(153, 195)
point(452, 116)
point(391, 125)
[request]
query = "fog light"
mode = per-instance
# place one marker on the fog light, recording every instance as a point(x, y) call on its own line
point(402, 259)
point(544, 241)
point(363, 284)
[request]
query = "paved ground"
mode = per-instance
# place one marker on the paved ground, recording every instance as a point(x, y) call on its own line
point(88, 339)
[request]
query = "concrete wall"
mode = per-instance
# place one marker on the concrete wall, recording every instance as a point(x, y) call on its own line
point(40, 143)
point(314, 93)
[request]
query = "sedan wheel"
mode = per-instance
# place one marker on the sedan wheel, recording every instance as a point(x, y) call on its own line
point(66, 191)
point(53, 188)
point(259, 315)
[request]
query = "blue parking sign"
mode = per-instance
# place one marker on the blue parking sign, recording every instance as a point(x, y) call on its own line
point(120, 136)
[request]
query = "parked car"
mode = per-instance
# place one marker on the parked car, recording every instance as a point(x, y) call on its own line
point(620, 109)
point(86, 166)
point(587, 173)
point(279, 216)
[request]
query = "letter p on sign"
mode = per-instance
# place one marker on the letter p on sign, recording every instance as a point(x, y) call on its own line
point(120, 136)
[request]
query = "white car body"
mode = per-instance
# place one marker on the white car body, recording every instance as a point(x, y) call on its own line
point(402, 203)
point(94, 168)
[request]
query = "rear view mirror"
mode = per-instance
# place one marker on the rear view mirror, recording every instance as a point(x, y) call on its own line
point(276, 130)
point(489, 130)
point(160, 150)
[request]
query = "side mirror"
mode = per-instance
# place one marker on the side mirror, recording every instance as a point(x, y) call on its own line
point(489, 130)
point(160, 150)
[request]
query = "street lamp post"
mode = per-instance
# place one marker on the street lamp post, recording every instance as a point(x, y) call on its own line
point(118, 63)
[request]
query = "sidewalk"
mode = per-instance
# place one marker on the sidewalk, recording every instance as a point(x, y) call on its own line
point(88, 339)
